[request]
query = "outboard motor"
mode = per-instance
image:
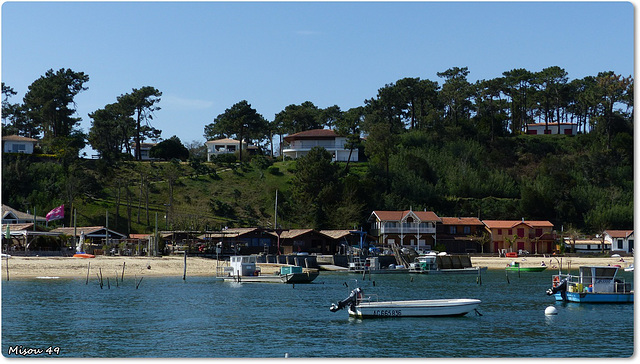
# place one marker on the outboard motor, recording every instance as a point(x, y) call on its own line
point(352, 300)
point(561, 287)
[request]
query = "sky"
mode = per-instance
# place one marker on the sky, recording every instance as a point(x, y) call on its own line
point(206, 56)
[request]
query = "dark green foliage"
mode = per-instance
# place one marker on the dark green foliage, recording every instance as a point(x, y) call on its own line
point(169, 149)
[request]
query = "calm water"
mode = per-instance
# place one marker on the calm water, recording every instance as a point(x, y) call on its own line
point(203, 317)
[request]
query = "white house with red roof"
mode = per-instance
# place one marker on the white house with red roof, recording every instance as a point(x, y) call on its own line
point(536, 237)
point(18, 144)
point(299, 144)
point(552, 128)
point(415, 229)
point(620, 240)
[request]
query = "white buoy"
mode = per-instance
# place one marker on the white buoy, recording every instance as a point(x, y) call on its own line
point(550, 311)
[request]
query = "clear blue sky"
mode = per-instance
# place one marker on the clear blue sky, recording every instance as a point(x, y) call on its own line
point(204, 57)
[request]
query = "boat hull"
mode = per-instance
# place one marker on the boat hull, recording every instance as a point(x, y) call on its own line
point(417, 308)
point(83, 255)
point(591, 297)
point(291, 278)
point(525, 269)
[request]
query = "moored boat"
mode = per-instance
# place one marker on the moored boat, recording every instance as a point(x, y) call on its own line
point(372, 265)
point(363, 307)
point(515, 266)
point(245, 269)
point(83, 255)
point(594, 284)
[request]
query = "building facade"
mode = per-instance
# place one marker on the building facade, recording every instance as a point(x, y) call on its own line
point(299, 144)
point(620, 240)
point(461, 235)
point(552, 128)
point(415, 229)
point(535, 237)
point(18, 144)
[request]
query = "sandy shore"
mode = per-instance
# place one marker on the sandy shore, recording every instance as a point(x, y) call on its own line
point(63, 267)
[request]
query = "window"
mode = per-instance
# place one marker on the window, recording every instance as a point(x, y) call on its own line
point(452, 230)
point(538, 232)
point(499, 231)
point(467, 230)
point(510, 232)
point(620, 244)
point(521, 232)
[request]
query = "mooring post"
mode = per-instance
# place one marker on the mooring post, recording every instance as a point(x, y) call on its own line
point(184, 275)
point(88, 268)
point(122, 278)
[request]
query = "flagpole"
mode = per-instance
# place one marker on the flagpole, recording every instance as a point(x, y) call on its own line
point(75, 231)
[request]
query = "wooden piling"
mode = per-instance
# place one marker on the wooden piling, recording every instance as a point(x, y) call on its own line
point(7, 258)
point(184, 275)
point(122, 278)
point(88, 268)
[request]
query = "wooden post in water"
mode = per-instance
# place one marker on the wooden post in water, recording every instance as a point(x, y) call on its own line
point(184, 275)
point(88, 268)
point(7, 259)
point(122, 278)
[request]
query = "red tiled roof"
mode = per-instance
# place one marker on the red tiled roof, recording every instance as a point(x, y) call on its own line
point(18, 138)
point(508, 224)
point(399, 215)
point(312, 134)
point(461, 221)
point(550, 124)
point(619, 233)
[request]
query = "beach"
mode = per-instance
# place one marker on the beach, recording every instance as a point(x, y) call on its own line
point(167, 266)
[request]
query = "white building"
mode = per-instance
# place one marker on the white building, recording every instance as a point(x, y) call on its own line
point(620, 240)
point(222, 146)
point(18, 144)
point(299, 144)
point(552, 128)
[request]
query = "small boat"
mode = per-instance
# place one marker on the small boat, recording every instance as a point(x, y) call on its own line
point(244, 269)
point(431, 264)
point(629, 268)
point(361, 307)
point(83, 255)
point(372, 265)
point(511, 255)
point(515, 266)
point(594, 284)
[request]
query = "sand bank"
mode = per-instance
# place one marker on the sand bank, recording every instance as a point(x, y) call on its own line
point(67, 267)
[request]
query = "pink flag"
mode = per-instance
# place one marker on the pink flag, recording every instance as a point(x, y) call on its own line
point(56, 214)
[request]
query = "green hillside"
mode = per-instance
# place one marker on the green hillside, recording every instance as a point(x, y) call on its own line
point(573, 181)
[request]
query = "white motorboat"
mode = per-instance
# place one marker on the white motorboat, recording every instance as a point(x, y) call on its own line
point(244, 269)
point(361, 307)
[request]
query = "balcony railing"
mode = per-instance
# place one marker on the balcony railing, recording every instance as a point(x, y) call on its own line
point(403, 230)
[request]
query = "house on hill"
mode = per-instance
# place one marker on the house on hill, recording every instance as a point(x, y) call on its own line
point(299, 144)
point(18, 144)
point(415, 229)
point(552, 128)
point(227, 146)
point(536, 237)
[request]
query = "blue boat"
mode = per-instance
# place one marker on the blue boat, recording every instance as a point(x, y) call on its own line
point(594, 284)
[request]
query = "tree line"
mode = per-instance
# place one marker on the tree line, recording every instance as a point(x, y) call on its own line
point(455, 147)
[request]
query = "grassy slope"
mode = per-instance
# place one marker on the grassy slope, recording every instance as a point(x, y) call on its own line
point(247, 198)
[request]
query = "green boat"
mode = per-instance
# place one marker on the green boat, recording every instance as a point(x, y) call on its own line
point(515, 266)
